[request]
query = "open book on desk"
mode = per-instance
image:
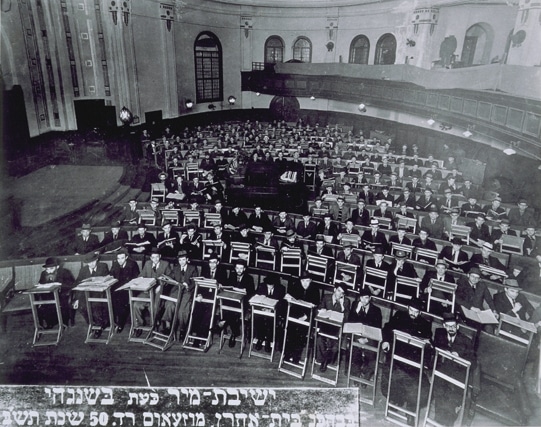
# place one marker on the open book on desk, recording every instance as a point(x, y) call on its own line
point(483, 317)
point(146, 242)
point(40, 287)
point(363, 330)
point(163, 242)
point(301, 302)
point(335, 316)
point(264, 301)
point(98, 283)
point(139, 284)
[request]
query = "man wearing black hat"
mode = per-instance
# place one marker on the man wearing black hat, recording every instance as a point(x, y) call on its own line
point(447, 397)
point(93, 268)
point(123, 269)
point(168, 242)
point(190, 241)
point(141, 242)
point(328, 228)
point(498, 233)
point(54, 273)
point(306, 228)
point(327, 349)
point(130, 214)
point(238, 279)
point(407, 197)
point(283, 222)
point(522, 215)
point(378, 262)
point(183, 273)
point(235, 218)
point(480, 233)
point(400, 267)
point(512, 302)
point(154, 268)
point(114, 239)
point(258, 220)
point(348, 256)
point(366, 194)
point(457, 259)
point(403, 391)
point(426, 200)
point(360, 215)
point(85, 242)
point(302, 289)
point(472, 293)
point(382, 211)
point(362, 311)
point(264, 325)
point(400, 237)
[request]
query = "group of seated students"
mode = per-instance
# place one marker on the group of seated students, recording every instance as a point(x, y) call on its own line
point(361, 186)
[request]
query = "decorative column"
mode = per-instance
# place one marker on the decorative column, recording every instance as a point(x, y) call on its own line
point(246, 41)
point(332, 32)
point(524, 41)
point(418, 47)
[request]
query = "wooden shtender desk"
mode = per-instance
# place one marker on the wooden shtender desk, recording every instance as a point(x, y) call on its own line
point(49, 294)
point(101, 286)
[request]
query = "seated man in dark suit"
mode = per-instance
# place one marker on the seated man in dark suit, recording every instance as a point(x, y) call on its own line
point(374, 238)
point(498, 233)
point(512, 302)
point(433, 223)
point(53, 272)
point(328, 228)
point(423, 241)
point(123, 269)
point(258, 220)
point(263, 325)
point(378, 263)
point(306, 228)
point(347, 255)
point(399, 238)
point(485, 258)
point(362, 311)
point(400, 267)
point(457, 259)
point(115, 238)
point(448, 398)
point(480, 233)
point(327, 349)
point(168, 242)
point(142, 242)
point(360, 214)
point(92, 268)
point(85, 242)
point(403, 393)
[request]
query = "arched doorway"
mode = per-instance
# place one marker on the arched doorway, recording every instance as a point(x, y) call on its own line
point(477, 45)
point(285, 108)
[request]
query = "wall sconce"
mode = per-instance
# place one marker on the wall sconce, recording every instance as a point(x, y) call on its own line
point(231, 100)
point(468, 132)
point(431, 121)
point(410, 43)
point(330, 46)
point(511, 149)
point(446, 126)
point(362, 108)
point(189, 104)
point(313, 98)
point(125, 116)
point(212, 107)
point(257, 94)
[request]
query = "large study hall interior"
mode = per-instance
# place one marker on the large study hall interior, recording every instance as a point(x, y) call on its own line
point(337, 199)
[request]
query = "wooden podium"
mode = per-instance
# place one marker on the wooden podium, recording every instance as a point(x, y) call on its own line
point(92, 286)
point(47, 294)
point(264, 307)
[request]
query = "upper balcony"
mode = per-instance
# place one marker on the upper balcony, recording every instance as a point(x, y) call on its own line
point(500, 102)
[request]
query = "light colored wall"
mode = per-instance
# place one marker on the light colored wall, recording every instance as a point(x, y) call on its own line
point(152, 69)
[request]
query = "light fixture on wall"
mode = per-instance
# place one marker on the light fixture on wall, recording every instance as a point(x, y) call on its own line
point(189, 104)
point(468, 132)
point(510, 150)
point(313, 98)
point(431, 121)
point(362, 108)
point(231, 100)
point(125, 116)
point(257, 94)
point(212, 107)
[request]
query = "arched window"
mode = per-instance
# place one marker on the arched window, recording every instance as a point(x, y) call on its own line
point(477, 45)
point(359, 50)
point(385, 50)
point(208, 68)
point(302, 50)
point(274, 50)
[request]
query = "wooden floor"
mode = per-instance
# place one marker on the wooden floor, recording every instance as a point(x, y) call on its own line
point(121, 363)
